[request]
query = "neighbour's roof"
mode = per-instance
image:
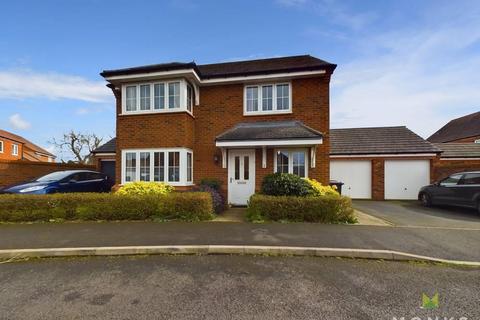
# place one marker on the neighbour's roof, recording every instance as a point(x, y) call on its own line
point(234, 69)
point(107, 147)
point(463, 127)
point(378, 140)
point(459, 150)
point(269, 130)
point(26, 143)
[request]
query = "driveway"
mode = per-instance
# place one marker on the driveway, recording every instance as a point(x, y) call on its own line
point(412, 213)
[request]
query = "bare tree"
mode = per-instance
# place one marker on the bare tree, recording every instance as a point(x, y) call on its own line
point(78, 144)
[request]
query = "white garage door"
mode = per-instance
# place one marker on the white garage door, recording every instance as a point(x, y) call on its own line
point(404, 178)
point(356, 176)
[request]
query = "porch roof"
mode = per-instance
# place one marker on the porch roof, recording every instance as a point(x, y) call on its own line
point(268, 132)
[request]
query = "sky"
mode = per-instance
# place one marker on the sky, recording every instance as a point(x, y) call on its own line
point(413, 63)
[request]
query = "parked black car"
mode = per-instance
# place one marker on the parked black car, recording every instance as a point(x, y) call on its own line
point(460, 189)
point(64, 181)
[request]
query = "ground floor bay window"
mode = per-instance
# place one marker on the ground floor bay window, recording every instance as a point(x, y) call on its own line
point(171, 165)
point(294, 161)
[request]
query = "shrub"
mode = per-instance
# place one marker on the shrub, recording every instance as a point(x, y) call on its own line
point(318, 190)
point(188, 206)
point(217, 199)
point(145, 188)
point(211, 182)
point(285, 184)
point(326, 209)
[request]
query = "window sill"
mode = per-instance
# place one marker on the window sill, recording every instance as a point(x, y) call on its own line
point(169, 111)
point(266, 113)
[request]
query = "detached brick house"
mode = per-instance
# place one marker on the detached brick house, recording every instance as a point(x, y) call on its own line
point(15, 147)
point(239, 121)
point(235, 121)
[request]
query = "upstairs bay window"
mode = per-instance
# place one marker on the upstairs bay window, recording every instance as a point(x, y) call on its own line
point(292, 161)
point(267, 99)
point(165, 96)
point(172, 166)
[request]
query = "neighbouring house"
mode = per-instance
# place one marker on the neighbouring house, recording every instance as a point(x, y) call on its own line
point(459, 141)
point(239, 121)
point(15, 147)
point(465, 129)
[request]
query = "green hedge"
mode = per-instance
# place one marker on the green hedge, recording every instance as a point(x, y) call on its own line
point(186, 206)
point(326, 209)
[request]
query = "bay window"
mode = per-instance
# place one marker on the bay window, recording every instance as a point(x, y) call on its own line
point(171, 165)
point(267, 99)
point(164, 96)
point(292, 161)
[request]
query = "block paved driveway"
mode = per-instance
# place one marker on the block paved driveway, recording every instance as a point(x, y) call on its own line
point(412, 213)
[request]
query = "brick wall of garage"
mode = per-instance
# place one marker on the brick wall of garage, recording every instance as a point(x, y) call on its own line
point(443, 167)
point(17, 171)
point(378, 171)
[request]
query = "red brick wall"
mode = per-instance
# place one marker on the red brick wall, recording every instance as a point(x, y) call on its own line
point(444, 168)
point(221, 107)
point(21, 170)
point(7, 150)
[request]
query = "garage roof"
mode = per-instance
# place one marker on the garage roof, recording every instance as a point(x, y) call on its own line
point(108, 147)
point(269, 130)
point(378, 140)
point(459, 150)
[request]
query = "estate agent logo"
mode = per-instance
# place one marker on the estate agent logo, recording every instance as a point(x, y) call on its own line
point(430, 303)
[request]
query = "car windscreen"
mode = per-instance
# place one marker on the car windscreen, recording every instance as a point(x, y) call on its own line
point(54, 176)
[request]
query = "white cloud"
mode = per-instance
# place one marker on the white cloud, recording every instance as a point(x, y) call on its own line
point(421, 78)
point(20, 84)
point(17, 122)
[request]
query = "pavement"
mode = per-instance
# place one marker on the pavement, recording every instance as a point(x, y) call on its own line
point(233, 287)
point(412, 213)
point(443, 243)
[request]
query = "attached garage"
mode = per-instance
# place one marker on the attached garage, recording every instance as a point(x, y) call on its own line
point(356, 176)
point(404, 178)
point(380, 163)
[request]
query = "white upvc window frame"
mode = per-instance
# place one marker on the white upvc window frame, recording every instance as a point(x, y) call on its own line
point(14, 149)
point(260, 110)
point(163, 109)
point(1, 146)
point(183, 181)
point(290, 159)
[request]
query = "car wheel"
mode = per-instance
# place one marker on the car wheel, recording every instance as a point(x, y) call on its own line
point(425, 199)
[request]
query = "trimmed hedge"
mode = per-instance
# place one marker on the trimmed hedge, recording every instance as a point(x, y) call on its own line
point(186, 206)
point(326, 209)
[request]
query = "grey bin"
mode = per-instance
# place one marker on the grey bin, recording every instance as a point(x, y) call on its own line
point(338, 184)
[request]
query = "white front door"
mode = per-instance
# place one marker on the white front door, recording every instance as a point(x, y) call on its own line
point(241, 175)
point(404, 178)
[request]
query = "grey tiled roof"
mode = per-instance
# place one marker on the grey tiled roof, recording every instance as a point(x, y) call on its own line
point(269, 130)
point(235, 68)
point(463, 127)
point(378, 140)
point(108, 147)
point(459, 150)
